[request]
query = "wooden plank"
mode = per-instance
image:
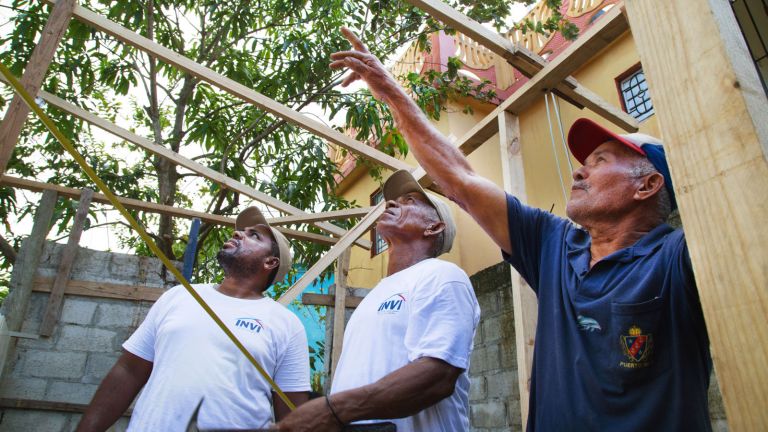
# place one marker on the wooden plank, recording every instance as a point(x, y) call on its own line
point(525, 61)
point(597, 37)
point(68, 256)
point(42, 405)
point(339, 310)
point(8, 251)
point(101, 289)
point(350, 302)
point(343, 243)
point(713, 116)
point(236, 89)
point(335, 214)
point(135, 204)
point(15, 305)
point(32, 80)
point(193, 166)
point(523, 298)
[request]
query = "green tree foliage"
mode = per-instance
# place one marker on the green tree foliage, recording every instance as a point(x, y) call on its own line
point(281, 48)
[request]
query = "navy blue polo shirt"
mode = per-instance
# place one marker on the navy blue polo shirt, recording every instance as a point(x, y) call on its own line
point(621, 346)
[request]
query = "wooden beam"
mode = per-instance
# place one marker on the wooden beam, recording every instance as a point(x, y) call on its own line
point(32, 80)
point(335, 214)
point(236, 89)
point(525, 61)
point(167, 210)
point(597, 37)
point(350, 302)
point(41, 405)
point(193, 166)
point(7, 250)
point(15, 305)
point(309, 277)
point(713, 115)
point(67, 260)
point(523, 298)
point(339, 310)
point(135, 204)
point(101, 289)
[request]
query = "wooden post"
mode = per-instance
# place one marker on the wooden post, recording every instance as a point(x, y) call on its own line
point(523, 298)
point(68, 256)
point(15, 305)
point(32, 80)
point(713, 115)
point(339, 310)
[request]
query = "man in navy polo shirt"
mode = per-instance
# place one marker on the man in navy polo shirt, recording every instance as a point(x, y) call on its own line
point(621, 343)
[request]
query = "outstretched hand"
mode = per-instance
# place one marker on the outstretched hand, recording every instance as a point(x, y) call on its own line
point(364, 66)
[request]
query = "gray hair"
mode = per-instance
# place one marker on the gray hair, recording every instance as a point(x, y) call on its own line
point(643, 167)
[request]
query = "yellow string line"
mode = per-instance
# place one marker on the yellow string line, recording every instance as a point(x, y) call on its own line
point(138, 228)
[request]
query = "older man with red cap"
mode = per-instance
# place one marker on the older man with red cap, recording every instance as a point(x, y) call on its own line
point(621, 342)
point(184, 358)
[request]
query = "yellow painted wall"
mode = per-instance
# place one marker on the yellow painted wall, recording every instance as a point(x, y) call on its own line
point(473, 249)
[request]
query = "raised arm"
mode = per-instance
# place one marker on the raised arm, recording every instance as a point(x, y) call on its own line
point(402, 393)
point(116, 392)
point(444, 163)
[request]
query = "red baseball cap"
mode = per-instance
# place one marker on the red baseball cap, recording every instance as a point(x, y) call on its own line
point(585, 136)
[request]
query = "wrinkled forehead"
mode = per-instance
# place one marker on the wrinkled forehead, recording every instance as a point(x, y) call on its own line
point(614, 148)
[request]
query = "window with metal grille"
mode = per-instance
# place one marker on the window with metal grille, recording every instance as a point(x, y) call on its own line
point(379, 244)
point(634, 94)
point(752, 16)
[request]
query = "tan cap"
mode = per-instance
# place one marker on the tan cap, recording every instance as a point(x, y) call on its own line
point(402, 182)
point(253, 216)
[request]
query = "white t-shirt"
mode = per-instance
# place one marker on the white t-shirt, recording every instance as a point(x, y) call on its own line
point(193, 359)
point(426, 310)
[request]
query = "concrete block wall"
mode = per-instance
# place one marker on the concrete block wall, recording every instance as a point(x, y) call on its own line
point(494, 396)
point(68, 366)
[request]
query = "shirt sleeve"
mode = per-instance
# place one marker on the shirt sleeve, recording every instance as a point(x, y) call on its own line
point(528, 228)
point(442, 324)
point(292, 371)
point(142, 341)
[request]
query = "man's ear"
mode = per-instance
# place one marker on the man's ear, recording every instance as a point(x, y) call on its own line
point(271, 263)
point(434, 229)
point(649, 186)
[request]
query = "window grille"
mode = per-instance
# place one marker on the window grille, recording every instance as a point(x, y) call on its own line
point(635, 96)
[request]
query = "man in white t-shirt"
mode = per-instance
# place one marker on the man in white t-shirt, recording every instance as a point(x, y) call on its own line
point(184, 358)
point(407, 346)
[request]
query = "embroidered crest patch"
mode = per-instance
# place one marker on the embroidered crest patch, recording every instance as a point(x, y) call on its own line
point(637, 348)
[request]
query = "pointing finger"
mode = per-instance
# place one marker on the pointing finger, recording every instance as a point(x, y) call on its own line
point(354, 40)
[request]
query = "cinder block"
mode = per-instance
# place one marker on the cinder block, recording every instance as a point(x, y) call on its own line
point(489, 303)
point(97, 366)
point(116, 313)
point(492, 329)
point(79, 338)
point(25, 420)
point(72, 392)
point(488, 415)
point(514, 415)
point(53, 364)
point(23, 387)
point(477, 388)
point(484, 359)
point(502, 384)
point(78, 311)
